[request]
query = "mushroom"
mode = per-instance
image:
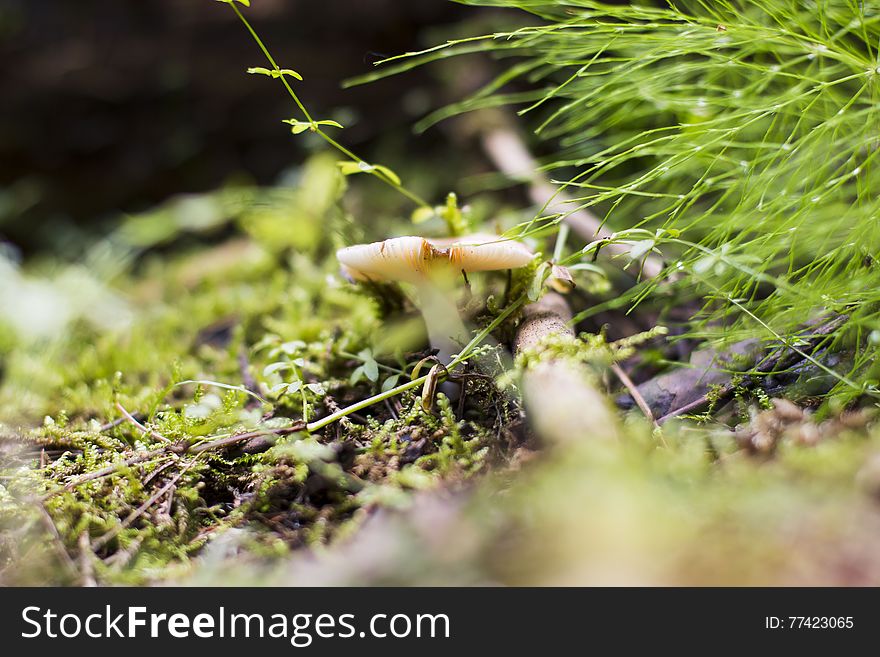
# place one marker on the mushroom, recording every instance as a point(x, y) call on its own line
point(432, 265)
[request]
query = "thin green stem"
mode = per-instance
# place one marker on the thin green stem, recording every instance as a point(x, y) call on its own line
point(412, 196)
point(364, 403)
point(306, 409)
point(463, 355)
point(272, 62)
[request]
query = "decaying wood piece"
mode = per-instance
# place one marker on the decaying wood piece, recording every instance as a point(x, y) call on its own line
point(690, 387)
point(710, 376)
point(562, 405)
point(550, 314)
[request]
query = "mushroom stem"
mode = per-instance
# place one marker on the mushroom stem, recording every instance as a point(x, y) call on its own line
point(446, 331)
point(432, 267)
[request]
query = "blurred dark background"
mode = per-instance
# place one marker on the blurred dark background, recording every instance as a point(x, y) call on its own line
point(112, 107)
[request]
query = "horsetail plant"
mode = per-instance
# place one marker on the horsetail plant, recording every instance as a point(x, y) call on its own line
point(737, 139)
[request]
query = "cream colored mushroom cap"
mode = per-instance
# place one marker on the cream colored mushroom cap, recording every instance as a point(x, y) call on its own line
point(412, 258)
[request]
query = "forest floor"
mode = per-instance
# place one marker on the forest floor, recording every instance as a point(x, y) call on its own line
point(154, 430)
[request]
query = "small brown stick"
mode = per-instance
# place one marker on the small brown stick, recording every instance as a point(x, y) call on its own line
point(391, 409)
point(634, 391)
point(231, 440)
point(247, 379)
point(155, 473)
point(508, 152)
point(98, 543)
point(85, 561)
point(121, 557)
point(165, 509)
point(640, 401)
point(103, 472)
point(720, 394)
point(128, 416)
point(462, 398)
point(115, 423)
point(56, 539)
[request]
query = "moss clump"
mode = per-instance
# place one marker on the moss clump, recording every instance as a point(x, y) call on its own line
point(135, 466)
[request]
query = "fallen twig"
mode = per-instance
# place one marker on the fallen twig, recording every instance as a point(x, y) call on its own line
point(98, 543)
point(128, 416)
point(508, 152)
point(115, 423)
point(719, 385)
point(634, 391)
point(57, 542)
point(232, 440)
point(87, 567)
point(247, 379)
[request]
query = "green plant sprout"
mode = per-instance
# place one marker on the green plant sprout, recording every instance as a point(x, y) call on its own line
point(357, 164)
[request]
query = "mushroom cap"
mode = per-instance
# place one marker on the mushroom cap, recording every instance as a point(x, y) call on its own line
point(413, 258)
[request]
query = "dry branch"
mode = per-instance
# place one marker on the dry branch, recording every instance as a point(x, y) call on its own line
point(508, 152)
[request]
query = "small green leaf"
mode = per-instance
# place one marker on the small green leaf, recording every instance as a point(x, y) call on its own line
point(272, 368)
point(538, 281)
point(294, 387)
point(371, 367)
point(297, 127)
point(641, 248)
point(348, 168)
point(371, 370)
point(332, 124)
point(392, 380)
point(388, 173)
point(356, 376)
point(316, 388)
point(246, 3)
point(273, 73)
point(421, 215)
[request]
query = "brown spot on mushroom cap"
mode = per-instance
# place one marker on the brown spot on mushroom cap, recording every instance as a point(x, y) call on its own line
point(412, 258)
